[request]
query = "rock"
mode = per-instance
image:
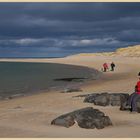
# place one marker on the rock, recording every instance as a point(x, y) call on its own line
point(88, 118)
point(67, 90)
point(64, 120)
point(80, 96)
point(105, 99)
point(91, 118)
point(115, 99)
point(98, 99)
point(124, 102)
point(124, 105)
point(102, 99)
point(90, 98)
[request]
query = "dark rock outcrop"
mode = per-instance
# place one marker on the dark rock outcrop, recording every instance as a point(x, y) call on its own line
point(66, 120)
point(105, 99)
point(113, 99)
point(88, 118)
point(116, 99)
point(124, 105)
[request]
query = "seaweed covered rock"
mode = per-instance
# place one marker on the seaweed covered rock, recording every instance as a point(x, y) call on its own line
point(88, 118)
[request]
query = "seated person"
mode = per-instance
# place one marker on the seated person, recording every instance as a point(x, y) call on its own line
point(134, 96)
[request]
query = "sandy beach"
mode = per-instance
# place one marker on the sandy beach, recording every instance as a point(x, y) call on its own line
point(30, 116)
point(52, 80)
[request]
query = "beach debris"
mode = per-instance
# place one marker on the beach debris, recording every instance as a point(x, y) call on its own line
point(106, 99)
point(67, 90)
point(88, 118)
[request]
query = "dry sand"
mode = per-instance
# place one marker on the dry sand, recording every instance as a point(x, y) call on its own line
point(31, 116)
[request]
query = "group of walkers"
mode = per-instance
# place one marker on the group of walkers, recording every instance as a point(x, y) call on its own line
point(106, 67)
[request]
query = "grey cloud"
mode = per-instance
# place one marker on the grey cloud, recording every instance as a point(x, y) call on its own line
point(60, 43)
point(67, 27)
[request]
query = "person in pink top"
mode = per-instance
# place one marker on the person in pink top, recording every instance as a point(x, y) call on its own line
point(105, 67)
point(134, 96)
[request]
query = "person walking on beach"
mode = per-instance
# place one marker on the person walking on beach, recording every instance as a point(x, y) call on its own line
point(134, 96)
point(105, 67)
point(112, 65)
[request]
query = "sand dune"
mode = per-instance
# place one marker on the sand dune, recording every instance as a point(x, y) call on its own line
point(31, 116)
point(130, 51)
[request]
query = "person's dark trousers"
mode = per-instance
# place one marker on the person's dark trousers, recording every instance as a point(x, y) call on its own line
point(112, 68)
point(132, 101)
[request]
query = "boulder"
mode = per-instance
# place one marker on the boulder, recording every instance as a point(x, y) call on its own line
point(102, 99)
point(113, 99)
point(88, 118)
point(124, 105)
point(105, 99)
point(116, 99)
point(91, 118)
point(64, 120)
point(90, 97)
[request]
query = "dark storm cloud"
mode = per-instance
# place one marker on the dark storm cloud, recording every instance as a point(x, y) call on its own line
point(64, 28)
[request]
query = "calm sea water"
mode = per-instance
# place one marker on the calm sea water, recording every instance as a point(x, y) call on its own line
point(23, 78)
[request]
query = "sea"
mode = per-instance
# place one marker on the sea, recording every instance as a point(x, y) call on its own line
point(25, 78)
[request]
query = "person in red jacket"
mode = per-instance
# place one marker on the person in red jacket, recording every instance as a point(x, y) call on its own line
point(134, 96)
point(105, 67)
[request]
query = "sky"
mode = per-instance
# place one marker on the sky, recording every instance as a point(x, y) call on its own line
point(61, 29)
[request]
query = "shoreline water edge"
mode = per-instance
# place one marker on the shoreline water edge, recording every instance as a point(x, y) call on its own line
point(24, 78)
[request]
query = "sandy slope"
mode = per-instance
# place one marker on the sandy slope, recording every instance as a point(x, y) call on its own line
point(130, 51)
point(31, 116)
